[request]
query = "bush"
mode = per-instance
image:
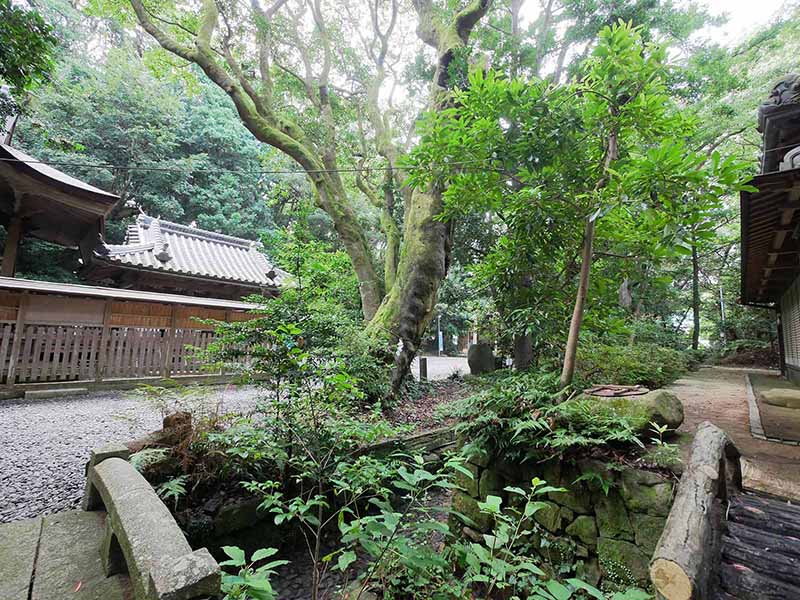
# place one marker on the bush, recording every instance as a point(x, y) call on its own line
point(641, 364)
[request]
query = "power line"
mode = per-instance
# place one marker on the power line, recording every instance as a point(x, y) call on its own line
point(234, 171)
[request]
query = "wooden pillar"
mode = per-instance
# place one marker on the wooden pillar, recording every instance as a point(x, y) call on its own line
point(169, 342)
point(105, 337)
point(19, 328)
point(13, 235)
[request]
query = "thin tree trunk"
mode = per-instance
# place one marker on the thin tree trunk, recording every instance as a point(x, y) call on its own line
point(571, 351)
point(695, 298)
point(523, 351)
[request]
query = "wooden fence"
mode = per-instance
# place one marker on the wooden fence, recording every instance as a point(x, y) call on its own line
point(72, 339)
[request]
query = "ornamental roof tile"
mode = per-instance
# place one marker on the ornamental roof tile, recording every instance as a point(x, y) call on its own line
point(163, 246)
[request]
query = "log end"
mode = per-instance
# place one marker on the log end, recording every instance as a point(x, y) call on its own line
point(670, 580)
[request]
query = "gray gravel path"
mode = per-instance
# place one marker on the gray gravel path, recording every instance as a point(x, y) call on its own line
point(44, 444)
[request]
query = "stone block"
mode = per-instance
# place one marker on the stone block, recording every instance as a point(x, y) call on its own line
point(491, 483)
point(646, 492)
point(659, 406)
point(480, 359)
point(584, 529)
point(238, 515)
point(468, 507)
point(589, 571)
point(54, 393)
point(785, 397)
point(647, 530)
point(69, 555)
point(612, 517)
point(576, 497)
point(469, 484)
point(194, 575)
point(549, 516)
point(623, 563)
point(18, 542)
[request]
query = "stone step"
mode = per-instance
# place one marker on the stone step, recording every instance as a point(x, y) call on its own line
point(18, 542)
point(54, 393)
point(61, 553)
point(68, 564)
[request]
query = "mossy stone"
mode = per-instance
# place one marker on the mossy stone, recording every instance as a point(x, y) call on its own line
point(584, 528)
point(659, 406)
point(589, 571)
point(491, 483)
point(469, 484)
point(622, 562)
point(549, 516)
point(646, 492)
point(647, 531)
point(612, 517)
point(468, 506)
point(576, 497)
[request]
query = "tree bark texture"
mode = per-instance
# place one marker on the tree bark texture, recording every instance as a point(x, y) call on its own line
point(687, 556)
point(408, 306)
point(571, 350)
point(695, 298)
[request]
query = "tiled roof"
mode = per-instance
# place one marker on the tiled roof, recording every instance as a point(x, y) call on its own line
point(158, 245)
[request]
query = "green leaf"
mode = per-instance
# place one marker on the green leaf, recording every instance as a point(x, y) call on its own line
point(236, 554)
point(345, 560)
point(263, 553)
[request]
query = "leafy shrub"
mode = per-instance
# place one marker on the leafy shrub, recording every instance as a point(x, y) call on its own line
point(640, 364)
point(518, 416)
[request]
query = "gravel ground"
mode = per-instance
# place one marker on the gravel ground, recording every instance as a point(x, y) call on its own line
point(44, 444)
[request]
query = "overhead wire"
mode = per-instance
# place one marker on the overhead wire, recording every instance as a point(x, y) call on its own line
point(237, 171)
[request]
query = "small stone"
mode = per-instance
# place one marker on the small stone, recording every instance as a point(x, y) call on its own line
point(491, 483)
point(623, 563)
point(647, 530)
point(612, 518)
point(584, 528)
point(480, 359)
point(549, 516)
point(646, 492)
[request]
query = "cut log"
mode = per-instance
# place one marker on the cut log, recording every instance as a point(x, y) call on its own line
point(686, 558)
point(744, 534)
point(762, 560)
point(746, 584)
point(782, 506)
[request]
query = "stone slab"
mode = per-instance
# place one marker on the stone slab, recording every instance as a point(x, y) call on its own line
point(18, 541)
point(69, 563)
point(56, 393)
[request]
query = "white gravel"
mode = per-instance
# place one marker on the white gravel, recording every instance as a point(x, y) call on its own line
point(44, 444)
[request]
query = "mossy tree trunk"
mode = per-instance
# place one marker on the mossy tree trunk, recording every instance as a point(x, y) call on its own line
point(407, 309)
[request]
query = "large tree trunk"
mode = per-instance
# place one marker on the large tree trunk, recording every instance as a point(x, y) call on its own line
point(571, 351)
point(695, 298)
point(407, 308)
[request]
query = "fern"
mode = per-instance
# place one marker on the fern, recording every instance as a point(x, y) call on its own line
point(148, 457)
point(173, 489)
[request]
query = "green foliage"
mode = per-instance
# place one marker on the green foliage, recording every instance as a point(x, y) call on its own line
point(174, 489)
point(249, 582)
point(516, 416)
point(661, 454)
point(147, 457)
point(27, 45)
point(638, 364)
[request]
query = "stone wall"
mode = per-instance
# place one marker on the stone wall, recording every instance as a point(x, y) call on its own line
point(607, 522)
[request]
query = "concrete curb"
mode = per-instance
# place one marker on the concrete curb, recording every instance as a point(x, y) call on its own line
point(756, 427)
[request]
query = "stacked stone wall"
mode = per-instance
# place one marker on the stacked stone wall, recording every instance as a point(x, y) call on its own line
point(607, 521)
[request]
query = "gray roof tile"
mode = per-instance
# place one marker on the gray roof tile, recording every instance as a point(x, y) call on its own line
point(160, 245)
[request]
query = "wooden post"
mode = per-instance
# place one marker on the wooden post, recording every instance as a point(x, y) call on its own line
point(13, 359)
point(169, 342)
point(13, 234)
point(102, 358)
point(423, 368)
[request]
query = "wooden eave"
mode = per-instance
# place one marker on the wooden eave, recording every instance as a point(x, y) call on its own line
point(770, 230)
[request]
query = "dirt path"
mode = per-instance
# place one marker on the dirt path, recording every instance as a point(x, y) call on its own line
point(719, 395)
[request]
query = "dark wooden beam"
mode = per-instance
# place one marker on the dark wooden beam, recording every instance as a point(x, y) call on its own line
point(13, 236)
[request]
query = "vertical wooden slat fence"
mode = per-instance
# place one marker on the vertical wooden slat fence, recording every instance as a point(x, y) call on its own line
point(73, 353)
point(51, 338)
